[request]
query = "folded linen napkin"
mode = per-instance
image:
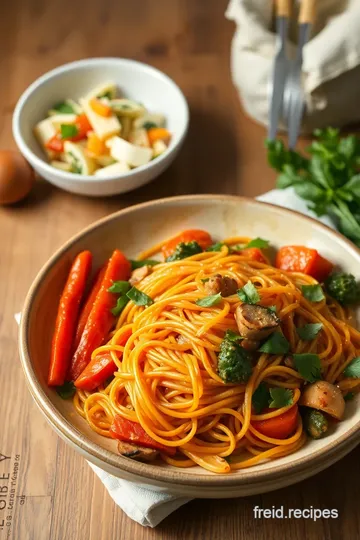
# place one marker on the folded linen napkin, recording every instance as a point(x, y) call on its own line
point(144, 505)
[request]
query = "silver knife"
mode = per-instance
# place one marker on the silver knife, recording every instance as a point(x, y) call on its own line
point(280, 70)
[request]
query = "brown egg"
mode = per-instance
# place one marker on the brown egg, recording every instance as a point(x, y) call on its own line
point(16, 177)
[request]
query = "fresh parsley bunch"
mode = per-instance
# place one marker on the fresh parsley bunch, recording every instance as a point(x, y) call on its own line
point(329, 179)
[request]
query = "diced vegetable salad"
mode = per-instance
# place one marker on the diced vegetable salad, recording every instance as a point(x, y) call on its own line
point(102, 134)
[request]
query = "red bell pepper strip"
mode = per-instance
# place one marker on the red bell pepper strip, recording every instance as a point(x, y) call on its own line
point(279, 427)
point(100, 368)
point(100, 320)
point(85, 312)
point(56, 143)
point(305, 260)
point(203, 238)
point(66, 319)
point(132, 432)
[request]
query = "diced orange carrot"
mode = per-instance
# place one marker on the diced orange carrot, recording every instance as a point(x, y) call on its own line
point(95, 145)
point(155, 134)
point(101, 108)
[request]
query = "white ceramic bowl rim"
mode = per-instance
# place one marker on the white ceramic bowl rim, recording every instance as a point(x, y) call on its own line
point(73, 66)
point(152, 472)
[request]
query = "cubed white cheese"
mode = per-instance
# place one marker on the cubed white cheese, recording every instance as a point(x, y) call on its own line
point(139, 137)
point(159, 147)
point(44, 131)
point(104, 126)
point(115, 168)
point(153, 120)
point(76, 156)
point(107, 89)
point(122, 150)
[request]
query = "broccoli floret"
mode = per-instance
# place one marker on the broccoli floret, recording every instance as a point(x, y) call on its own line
point(183, 250)
point(343, 287)
point(234, 362)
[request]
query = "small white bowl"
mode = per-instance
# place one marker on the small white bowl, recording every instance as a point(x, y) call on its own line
point(137, 81)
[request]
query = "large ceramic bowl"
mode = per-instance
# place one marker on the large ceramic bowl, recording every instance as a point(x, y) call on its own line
point(137, 81)
point(133, 230)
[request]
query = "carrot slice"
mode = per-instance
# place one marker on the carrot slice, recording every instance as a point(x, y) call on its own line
point(85, 312)
point(132, 432)
point(100, 320)
point(156, 134)
point(66, 319)
point(305, 260)
point(100, 108)
point(255, 254)
point(279, 427)
point(100, 368)
point(203, 238)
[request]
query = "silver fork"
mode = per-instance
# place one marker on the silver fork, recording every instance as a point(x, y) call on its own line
point(293, 100)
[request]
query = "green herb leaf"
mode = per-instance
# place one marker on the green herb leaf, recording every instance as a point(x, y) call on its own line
point(275, 344)
point(75, 164)
point(68, 130)
point(205, 280)
point(145, 262)
point(309, 331)
point(257, 243)
point(120, 304)
point(248, 293)
point(63, 108)
point(184, 250)
point(232, 336)
point(353, 369)
point(273, 309)
point(67, 390)
point(209, 301)
point(349, 396)
point(119, 287)
point(281, 397)
point(309, 191)
point(260, 398)
point(139, 298)
point(149, 125)
point(353, 185)
point(288, 177)
point(313, 293)
point(216, 247)
point(308, 365)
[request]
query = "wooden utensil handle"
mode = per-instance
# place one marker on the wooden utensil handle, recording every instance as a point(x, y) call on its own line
point(307, 11)
point(283, 8)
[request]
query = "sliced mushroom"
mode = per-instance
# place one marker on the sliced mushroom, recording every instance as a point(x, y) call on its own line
point(139, 274)
point(250, 344)
point(324, 396)
point(255, 322)
point(221, 284)
point(134, 451)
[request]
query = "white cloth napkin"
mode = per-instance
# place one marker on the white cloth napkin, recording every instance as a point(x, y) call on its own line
point(144, 505)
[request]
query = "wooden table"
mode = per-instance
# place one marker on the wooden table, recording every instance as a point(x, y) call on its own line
point(56, 496)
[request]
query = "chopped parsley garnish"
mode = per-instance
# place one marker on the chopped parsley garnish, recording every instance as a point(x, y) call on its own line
point(280, 397)
point(353, 369)
point(257, 243)
point(309, 331)
point(308, 365)
point(68, 130)
point(67, 390)
point(260, 398)
point(139, 298)
point(63, 108)
point(232, 336)
point(216, 247)
point(145, 262)
point(184, 250)
point(248, 293)
point(313, 293)
point(275, 344)
point(120, 304)
point(119, 287)
point(209, 301)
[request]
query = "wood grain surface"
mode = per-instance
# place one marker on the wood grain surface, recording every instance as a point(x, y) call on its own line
point(51, 493)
